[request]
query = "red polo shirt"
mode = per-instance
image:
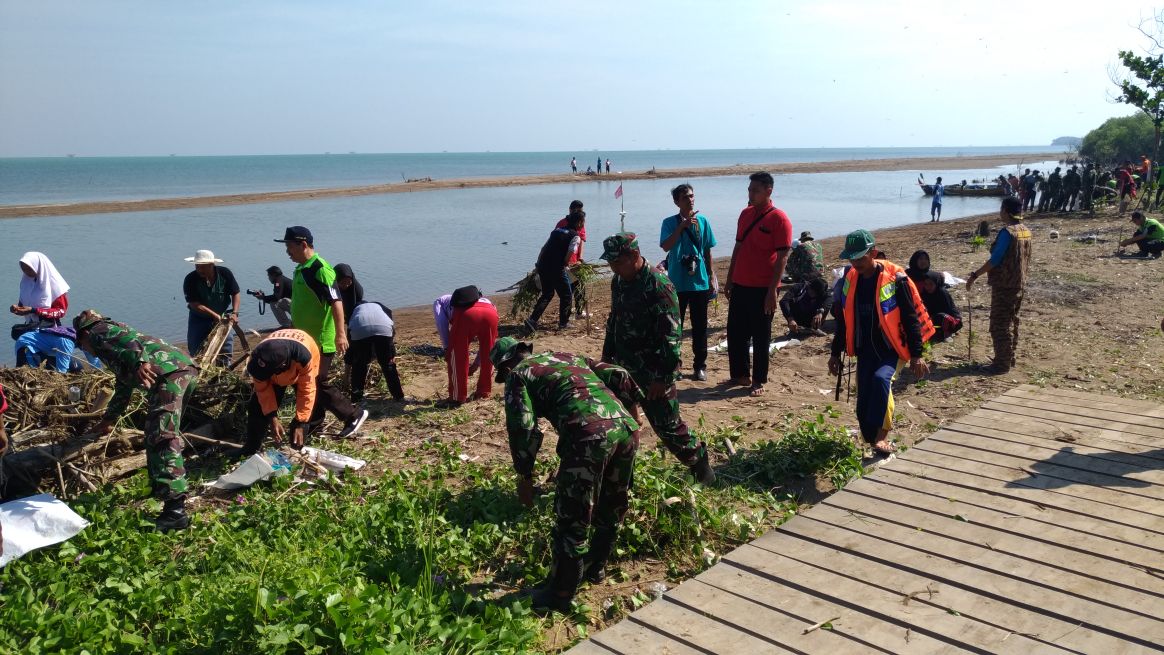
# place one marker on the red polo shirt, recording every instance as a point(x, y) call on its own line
point(756, 254)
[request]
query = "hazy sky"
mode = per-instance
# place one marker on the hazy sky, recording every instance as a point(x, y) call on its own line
point(156, 77)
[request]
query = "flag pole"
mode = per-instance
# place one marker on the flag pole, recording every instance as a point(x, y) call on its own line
point(621, 209)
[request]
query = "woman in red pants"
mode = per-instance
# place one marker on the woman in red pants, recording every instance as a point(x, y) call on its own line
point(474, 318)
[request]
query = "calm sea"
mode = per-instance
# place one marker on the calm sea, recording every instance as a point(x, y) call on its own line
point(408, 248)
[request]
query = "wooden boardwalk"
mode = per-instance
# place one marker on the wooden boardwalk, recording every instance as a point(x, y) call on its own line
point(1033, 525)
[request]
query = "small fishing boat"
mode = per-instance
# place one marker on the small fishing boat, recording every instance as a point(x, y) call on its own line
point(974, 188)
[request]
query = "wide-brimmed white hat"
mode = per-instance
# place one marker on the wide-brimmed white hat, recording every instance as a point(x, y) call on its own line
point(203, 257)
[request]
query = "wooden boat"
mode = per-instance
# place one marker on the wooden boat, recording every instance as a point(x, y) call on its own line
point(974, 189)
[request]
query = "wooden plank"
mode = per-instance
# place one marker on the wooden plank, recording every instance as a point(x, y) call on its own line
point(986, 572)
point(865, 610)
point(1132, 525)
point(631, 638)
point(1132, 403)
point(913, 580)
point(1071, 408)
point(747, 615)
point(1091, 401)
point(1019, 431)
point(971, 526)
point(590, 648)
point(1088, 533)
point(1155, 435)
point(1125, 467)
point(1052, 429)
point(1140, 495)
point(700, 631)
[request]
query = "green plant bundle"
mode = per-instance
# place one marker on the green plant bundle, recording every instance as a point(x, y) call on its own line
point(529, 288)
point(811, 449)
point(411, 562)
point(976, 242)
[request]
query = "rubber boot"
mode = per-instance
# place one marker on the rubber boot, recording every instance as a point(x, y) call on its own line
point(173, 516)
point(558, 593)
point(703, 472)
point(601, 545)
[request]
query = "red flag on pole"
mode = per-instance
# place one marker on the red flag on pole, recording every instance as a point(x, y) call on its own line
point(618, 192)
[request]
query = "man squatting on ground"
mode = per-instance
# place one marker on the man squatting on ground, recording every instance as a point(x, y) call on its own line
point(597, 439)
point(1010, 259)
point(687, 238)
point(883, 324)
point(1148, 237)
point(167, 376)
point(642, 335)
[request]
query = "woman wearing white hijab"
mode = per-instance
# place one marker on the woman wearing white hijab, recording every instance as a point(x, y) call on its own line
point(43, 292)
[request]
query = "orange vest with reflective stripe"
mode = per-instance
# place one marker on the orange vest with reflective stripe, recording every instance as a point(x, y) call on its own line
point(889, 314)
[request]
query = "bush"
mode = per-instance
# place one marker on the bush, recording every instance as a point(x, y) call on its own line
point(1126, 137)
point(812, 449)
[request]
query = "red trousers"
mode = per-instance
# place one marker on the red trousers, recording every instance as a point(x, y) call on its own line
point(478, 322)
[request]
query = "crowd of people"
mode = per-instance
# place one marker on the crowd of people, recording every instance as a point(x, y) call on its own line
point(884, 315)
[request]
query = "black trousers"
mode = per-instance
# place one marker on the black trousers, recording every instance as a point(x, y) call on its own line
point(328, 398)
point(360, 355)
point(553, 281)
point(748, 325)
point(697, 300)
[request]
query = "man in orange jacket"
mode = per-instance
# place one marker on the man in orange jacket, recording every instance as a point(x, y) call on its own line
point(285, 358)
point(883, 323)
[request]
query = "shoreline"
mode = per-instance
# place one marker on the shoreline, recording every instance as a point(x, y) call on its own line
point(846, 166)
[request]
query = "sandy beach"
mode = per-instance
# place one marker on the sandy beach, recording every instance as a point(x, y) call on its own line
point(847, 166)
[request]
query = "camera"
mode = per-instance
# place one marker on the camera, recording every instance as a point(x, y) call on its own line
point(690, 264)
point(253, 292)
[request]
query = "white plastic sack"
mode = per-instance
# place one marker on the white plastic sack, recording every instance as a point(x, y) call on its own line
point(256, 468)
point(333, 462)
point(36, 522)
point(952, 280)
point(772, 346)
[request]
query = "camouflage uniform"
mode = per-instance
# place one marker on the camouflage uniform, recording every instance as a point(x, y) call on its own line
point(642, 334)
point(123, 350)
point(805, 261)
point(584, 401)
point(1006, 294)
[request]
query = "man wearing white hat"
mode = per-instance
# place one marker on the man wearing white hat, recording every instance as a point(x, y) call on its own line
point(212, 294)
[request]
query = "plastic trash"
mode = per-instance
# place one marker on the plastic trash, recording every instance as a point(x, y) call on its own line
point(36, 522)
point(257, 467)
point(657, 589)
point(333, 462)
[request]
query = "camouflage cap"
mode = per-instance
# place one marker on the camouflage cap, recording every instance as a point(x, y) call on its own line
point(614, 246)
point(86, 319)
point(506, 348)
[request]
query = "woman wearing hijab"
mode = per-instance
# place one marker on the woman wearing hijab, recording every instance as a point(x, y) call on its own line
point(43, 294)
point(351, 291)
point(943, 311)
point(919, 267)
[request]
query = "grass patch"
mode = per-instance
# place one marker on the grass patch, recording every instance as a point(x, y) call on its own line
point(813, 448)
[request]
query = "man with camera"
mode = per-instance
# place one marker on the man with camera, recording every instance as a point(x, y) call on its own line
point(280, 298)
point(688, 240)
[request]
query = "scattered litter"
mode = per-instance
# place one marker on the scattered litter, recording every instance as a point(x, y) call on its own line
point(671, 501)
point(465, 458)
point(333, 462)
point(952, 280)
point(1054, 234)
point(709, 556)
point(772, 347)
point(257, 467)
point(35, 522)
point(1090, 238)
point(657, 589)
point(827, 624)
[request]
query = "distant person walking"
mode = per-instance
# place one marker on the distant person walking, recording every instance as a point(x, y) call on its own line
point(212, 296)
point(1010, 259)
point(763, 239)
point(936, 204)
point(687, 238)
point(316, 308)
point(574, 165)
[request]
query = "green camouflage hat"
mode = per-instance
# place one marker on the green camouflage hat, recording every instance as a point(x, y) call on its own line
point(505, 349)
point(857, 244)
point(86, 319)
point(613, 247)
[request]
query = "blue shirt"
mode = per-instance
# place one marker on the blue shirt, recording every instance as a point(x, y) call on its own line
point(683, 247)
point(1000, 247)
point(939, 191)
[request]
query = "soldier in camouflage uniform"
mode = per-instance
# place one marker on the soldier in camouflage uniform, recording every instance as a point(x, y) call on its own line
point(167, 375)
point(642, 334)
point(1010, 258)
point(586, 402)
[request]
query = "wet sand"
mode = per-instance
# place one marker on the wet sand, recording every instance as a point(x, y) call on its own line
point(847, 166)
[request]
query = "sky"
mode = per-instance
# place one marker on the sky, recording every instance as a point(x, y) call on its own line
point(222, 77)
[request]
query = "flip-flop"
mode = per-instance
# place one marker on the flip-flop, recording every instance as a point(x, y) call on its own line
point(757, 391)
point(889, 450)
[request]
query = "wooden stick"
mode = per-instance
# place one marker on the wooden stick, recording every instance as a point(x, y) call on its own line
point(61, 479)
point(80, 477)
point(215, 442)
point(730, 447)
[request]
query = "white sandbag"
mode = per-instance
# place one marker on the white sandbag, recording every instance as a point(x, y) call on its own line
point(36, 522)
point(333, 462)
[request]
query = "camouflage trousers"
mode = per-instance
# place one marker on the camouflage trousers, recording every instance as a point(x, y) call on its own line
point(594, 482)
point(163, 439)
point(665, 420)
point(1004, 324)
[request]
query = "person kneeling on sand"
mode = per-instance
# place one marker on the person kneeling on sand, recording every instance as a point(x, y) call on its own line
point(593, 408)
point(943, 312)
point(1148, 237)
point(880, 334)
point(167, 376)
point(805, 305)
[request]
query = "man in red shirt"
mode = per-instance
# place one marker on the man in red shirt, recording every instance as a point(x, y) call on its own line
point(763, 240)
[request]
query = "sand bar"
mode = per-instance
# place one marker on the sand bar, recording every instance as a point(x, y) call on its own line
point(846, 166)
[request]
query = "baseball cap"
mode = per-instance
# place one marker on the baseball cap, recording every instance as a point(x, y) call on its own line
point(857, 244)
point(297, 233)
point(614, 246)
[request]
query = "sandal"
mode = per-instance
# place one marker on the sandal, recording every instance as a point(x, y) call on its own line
point(887, 449)
point(757, 390)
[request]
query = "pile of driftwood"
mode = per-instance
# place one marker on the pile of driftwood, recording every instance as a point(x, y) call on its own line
point(50, 415)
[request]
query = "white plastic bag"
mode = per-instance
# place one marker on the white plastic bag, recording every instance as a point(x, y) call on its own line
point(36, 522)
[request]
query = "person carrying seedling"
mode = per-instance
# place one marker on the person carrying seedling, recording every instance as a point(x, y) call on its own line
point(587, 404)
point(285, 358)
point(167, 376)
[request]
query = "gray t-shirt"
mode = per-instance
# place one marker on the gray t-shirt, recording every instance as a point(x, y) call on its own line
point(369, 319)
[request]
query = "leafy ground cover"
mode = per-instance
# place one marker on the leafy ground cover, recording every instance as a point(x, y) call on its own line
point(431, 559)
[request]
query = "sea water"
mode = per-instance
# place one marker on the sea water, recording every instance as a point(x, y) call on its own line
point(408, 248)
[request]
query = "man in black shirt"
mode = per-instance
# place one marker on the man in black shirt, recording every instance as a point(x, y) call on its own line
point(280, 298)
point(212, 295)
point(806, 304)
point(551, 268)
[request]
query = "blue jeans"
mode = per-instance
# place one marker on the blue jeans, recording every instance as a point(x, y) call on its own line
point(198, 329)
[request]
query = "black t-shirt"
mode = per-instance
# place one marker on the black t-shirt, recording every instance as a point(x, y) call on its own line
point(217, 296)
point(282, 289)
point(553, 255)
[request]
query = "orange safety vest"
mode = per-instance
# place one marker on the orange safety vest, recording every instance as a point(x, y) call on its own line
point(890, 315)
